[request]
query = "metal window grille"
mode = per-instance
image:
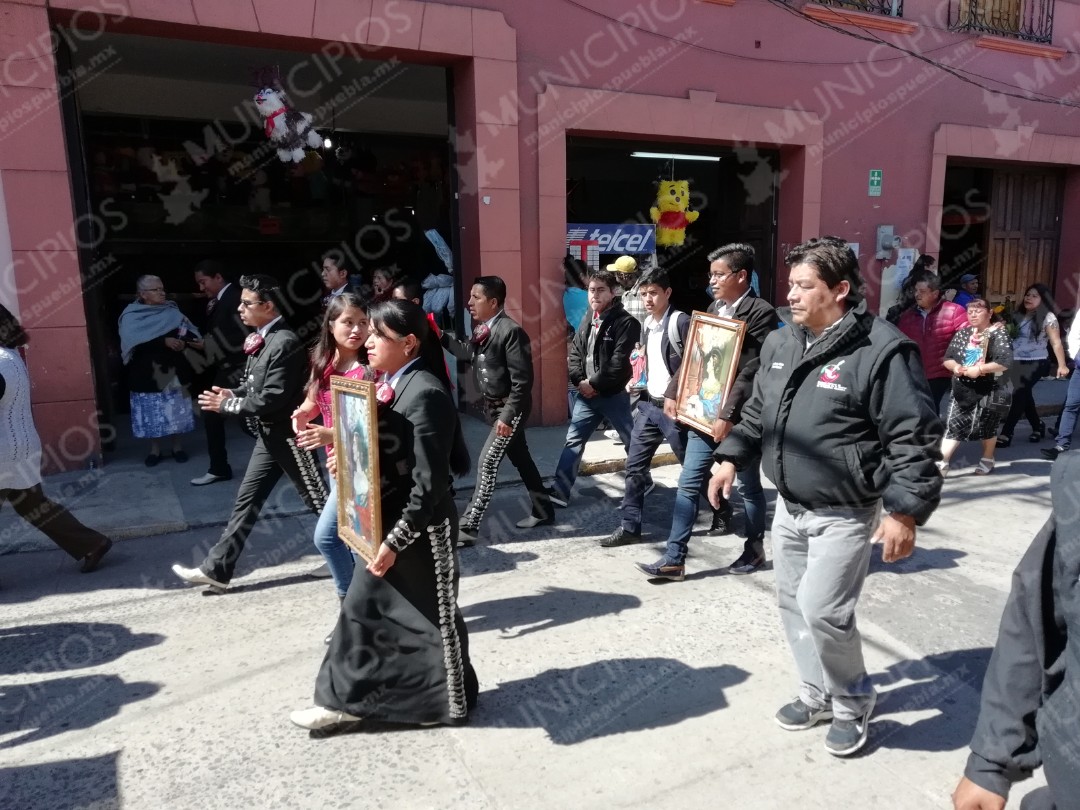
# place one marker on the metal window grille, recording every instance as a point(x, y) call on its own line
point(1030, 20)
point(890, 8)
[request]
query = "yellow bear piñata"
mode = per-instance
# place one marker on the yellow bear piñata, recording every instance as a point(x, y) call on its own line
point(670, 214)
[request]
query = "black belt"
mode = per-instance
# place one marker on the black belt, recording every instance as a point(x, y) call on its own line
point(657, 401)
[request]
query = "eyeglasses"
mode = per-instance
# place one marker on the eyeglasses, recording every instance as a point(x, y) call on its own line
point(722, 276)
point(250, 304)
point(154, 289)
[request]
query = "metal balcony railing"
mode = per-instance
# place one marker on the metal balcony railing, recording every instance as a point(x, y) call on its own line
point(890, 8)
point(1029, 20)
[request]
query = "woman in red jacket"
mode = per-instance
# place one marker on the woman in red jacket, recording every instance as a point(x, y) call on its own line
point(931, 323)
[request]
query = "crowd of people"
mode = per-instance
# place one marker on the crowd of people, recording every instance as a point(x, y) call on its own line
point(838, 407)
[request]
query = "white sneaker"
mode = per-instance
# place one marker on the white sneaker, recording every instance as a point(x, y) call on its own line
point(195, 576)
point(209, 478)
point(322, 572)
point(532, 521)
point(317, 718)
point(613, 435)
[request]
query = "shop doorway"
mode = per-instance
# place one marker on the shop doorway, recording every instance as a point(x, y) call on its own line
point(171, 165)
point(733, 189)
point(1002, 223)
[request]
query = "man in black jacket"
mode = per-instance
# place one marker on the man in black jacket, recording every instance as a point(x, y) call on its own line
point(271, 388)
point(1030, 710)
point(221, 354)
point(730, 270)
point(501, 357)
point(600, 369)
point(842, 418)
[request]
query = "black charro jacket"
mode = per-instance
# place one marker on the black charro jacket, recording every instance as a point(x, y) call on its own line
point(619, 331)
point(844, 423)
point(417, 436)
point(503, 366)
point(273, 379)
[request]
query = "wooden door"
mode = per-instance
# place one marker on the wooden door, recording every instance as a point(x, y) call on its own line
point(1025, 227)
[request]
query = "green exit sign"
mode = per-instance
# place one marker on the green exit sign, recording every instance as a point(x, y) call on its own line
point(875, 182)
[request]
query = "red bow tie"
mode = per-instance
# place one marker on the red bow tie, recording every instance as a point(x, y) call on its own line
point(253, 342)
point(480, 334)
point(384, 392)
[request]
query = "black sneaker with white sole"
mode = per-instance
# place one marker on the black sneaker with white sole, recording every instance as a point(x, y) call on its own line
point(845, 737)
point(797, 716)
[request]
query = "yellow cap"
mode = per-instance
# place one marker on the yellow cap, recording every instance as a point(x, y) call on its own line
point(623, 264)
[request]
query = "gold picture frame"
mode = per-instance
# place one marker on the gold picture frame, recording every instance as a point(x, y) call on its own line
point(709, 365)
point(356, 446)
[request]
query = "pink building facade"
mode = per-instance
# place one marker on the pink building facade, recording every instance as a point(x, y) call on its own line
point(836, 95)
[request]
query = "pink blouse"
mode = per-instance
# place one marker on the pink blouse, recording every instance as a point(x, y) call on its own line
point(323, 397)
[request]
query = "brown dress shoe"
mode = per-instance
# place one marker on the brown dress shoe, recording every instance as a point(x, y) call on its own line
point(92, 560)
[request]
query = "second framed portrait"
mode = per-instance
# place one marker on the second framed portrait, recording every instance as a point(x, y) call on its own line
point(356, 446)
point(710, 362)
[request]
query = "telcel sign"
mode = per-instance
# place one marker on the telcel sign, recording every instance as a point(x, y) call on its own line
point(614, 238)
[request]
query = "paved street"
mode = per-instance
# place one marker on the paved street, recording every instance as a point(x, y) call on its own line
point(598, 688)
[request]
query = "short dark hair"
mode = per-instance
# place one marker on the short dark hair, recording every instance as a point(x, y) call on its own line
point(604, 277)
point(738, 256)
point(834, 262)
point(211, 268)
point(337, 256)
point(927, 277)
point(12, 335)
point(657, 276)
point(264, 286)
point(410, 287)
point(493, 287)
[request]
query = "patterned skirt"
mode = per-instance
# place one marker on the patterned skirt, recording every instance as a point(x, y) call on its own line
point(166, 414)
point(970, 423)
point(400, 651)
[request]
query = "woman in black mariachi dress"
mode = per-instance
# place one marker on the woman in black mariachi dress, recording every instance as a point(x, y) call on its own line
point(400, 651)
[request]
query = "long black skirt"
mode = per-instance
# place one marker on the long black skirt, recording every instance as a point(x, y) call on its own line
point(400, 651)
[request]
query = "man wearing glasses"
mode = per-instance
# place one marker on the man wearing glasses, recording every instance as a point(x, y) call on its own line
point(272, 387)
point(730, 269)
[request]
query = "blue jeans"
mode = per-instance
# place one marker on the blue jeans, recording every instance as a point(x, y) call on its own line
point(1067, 422)
point(697, 463)
point(652, 427)
point(338, 556)
point(583, 421)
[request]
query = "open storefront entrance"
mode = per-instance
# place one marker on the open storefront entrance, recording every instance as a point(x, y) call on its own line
point(733, 190)
point(171, 165)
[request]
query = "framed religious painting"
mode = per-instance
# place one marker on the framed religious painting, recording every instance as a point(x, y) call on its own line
point(356, 446)
point(710, 362)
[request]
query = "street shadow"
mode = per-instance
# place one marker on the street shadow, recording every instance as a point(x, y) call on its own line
point(617, 696)
point(70, 784)
point(485, 559)
point(264, 585)
point(49, 708)
point(553, 607)
point(1035, 467)
point(947, 684)
point(923, 559)
point(64, 646)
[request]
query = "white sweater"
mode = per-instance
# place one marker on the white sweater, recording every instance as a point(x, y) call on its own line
point(20, 447)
